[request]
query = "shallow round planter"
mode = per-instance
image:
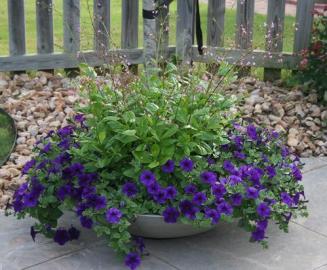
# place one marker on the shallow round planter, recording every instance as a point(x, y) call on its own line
point(154, 226)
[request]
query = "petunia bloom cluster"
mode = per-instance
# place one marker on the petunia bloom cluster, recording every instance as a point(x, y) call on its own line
point(253, 178)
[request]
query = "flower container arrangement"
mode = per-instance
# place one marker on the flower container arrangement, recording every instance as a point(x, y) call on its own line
point(164, 150)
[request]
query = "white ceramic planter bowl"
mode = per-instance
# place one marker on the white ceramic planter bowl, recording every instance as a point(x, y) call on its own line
point(154, 226)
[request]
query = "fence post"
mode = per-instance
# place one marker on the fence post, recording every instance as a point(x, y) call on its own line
point(185, 30)
point(215, 27)
point(162, 30)
point(244, 29)
point(101, 10)
point(274, 35)
point(149, 33)
point(71, 21)
point(44, 26)
point(303, 26)
point(16, 24)
point(129, 32)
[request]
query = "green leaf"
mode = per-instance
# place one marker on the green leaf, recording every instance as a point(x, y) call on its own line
point(155, 150)
point(152, 107)
point(129, 132)
point(170, 132)
point(102, 136)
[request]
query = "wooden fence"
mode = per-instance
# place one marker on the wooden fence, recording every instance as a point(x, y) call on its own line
point(272, 58)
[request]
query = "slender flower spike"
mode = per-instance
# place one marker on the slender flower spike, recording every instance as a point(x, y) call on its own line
point(132, 260)
point(170, 215)
point(113, 215)
point(147, 177)
point(186, 165)
point(263, 210)
point(168, 167)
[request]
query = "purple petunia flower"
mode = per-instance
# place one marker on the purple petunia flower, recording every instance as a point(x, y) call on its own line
point(239, 155)
point(225, 208)
point(271, 171)
point(190, 189)
point(30, 200)
point(63, 191)
point(139, 242)
point(258, 234)
point(238, 141)
point(255, 175)
point(170, 215)
point(81, 207)
point(63, 158)
point(296, 172)
point(47, 148)
point(252, 193)
point(168, 167)
point(188, 209)
point(86, 222)
point(236, 199)
point(160, 197)
point(262, 224)
point(218, 190)
point(213, 214)
point(234, 180)
point(211, 161)
point(65, 131)
point(186, 165)
point(208, 177)
point(229, 167)
point(132, 260)
point(73, 233)
point(252, 132)
point(199, 198)
point(79, 118)
point(153, 188)
point(129, 189)
point(61, 236)
point(284, 151)
point(100, 202)
point(28, 165)
point(147, 177)
point(263, 210)
point(64, 144)
point(286, 198)
point(113, 215)
point(18, 205)
point(171, 192)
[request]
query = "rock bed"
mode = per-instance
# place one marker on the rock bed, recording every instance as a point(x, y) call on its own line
point(46, 101)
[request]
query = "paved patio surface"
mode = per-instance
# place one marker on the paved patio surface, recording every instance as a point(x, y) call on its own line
point(224, 248)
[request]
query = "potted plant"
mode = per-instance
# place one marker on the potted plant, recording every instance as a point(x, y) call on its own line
point(162, 150)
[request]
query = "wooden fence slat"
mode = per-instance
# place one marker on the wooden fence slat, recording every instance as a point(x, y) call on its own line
point(129, 30)
point(244, 28)
point(216, 23)
point(185, 30)
point(16, 24)
point(303, 25)
point(136, 56)
point(44, 26)
point(101, 26)
point(162, 30)
point(274, 34)
point(71, 22)
point(149, 33)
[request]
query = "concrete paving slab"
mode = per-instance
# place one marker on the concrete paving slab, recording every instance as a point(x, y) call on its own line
point(315, 183)
point(313, 163)
point(98, 257)
point(227, 248)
